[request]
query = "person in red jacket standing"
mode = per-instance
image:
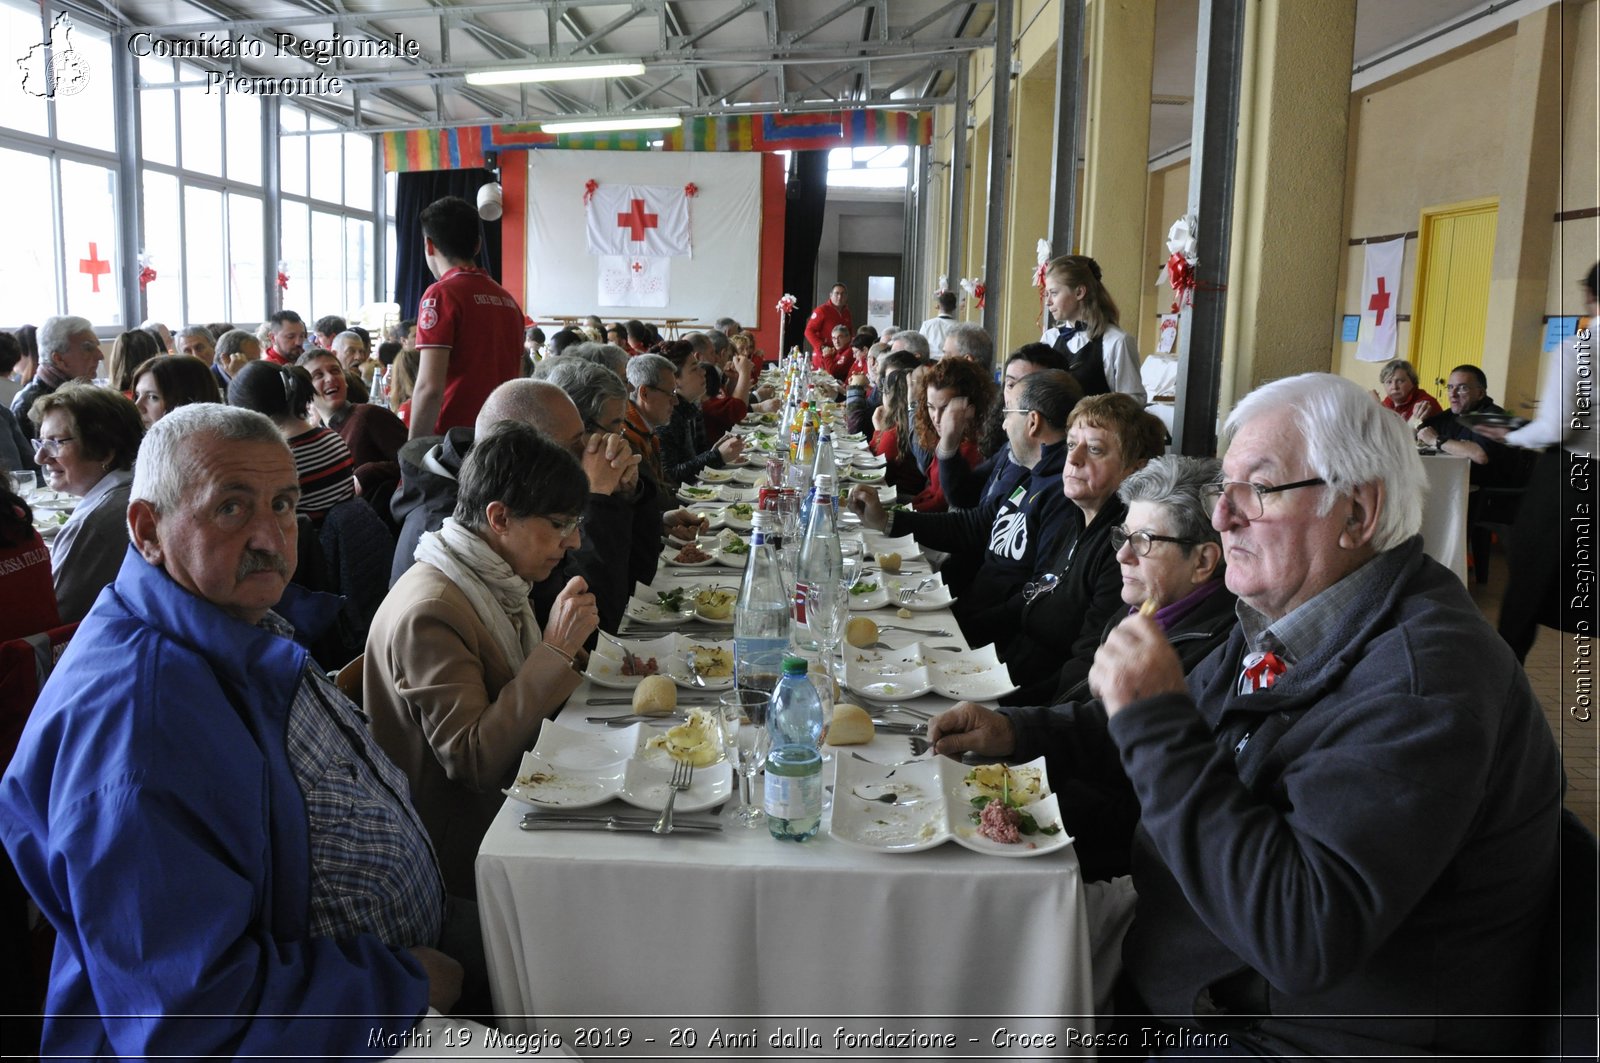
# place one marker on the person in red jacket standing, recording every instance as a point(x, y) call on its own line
point(827, 317)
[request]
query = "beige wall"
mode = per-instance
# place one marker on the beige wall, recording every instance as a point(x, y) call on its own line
point(1168, 201)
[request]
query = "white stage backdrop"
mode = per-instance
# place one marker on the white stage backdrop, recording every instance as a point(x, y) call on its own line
point(720, 279)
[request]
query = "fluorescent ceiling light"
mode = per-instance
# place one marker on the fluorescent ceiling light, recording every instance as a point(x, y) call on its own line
point(555, 73)
point(609, 125)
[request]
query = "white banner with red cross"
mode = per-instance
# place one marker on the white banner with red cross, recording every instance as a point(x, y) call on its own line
point(1380, 301)
point(630, 280)
point(644, 221)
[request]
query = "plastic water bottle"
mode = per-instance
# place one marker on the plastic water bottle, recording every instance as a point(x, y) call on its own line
point(824, 461)
point(761, 616)
point(821, 561)
point(793, 788)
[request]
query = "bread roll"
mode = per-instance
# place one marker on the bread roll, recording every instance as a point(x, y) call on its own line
point(861, 632)
point(655, 696)
point(851, 726)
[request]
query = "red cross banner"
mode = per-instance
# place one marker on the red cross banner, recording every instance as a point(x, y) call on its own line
point(644, 221)
point(1380, 301)
point(634, 280)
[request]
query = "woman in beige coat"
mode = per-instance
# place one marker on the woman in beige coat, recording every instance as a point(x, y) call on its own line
point(458, 674)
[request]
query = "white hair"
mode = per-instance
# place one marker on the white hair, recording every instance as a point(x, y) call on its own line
point(1350, 440)
point(165, 466)
point(644, 370)
point(56, 331)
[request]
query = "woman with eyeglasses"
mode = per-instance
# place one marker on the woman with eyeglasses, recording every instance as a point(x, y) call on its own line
point(87, 440)
point(284, 393)
point(1060, 617)
point(458, 675)
point(1169, 555)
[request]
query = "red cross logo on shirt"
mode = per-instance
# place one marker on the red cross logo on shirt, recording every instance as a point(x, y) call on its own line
point(636, 266)
point(636, 221)
point(94, 266)
point(1379, 302)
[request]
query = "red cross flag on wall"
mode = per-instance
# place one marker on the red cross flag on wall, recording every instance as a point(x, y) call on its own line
point(638, 221)
point(1380, 301)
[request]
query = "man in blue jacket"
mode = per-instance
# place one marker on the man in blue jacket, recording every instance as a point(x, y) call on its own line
point(232, 867)
point(1350, 811)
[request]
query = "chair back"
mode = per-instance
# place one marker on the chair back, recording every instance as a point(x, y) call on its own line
point(348, 679)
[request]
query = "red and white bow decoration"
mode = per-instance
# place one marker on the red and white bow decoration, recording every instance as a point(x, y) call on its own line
point(786, 304)
point(588, 190)
point(283, 278)
point(691, 190)
point(1184, 248)
point(944, 285)
point(1042, 250)
point(975, 288)
point(147, 272)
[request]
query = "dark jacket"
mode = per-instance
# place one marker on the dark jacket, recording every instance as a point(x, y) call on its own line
point(23, 401)
point(1040, 636)
point(1014, 534)
point(427, 494)
point(859, 403)
point(1374, 836)
point(966, 487)
point(1097, 801)
point(684, 449)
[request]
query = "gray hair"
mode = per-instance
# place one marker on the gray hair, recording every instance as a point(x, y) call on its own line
point(973, 342)
point(605, 355)
point(520, 399)
point(700, 342)
point(719, 341)
point(167, 456)
point(913, 341)
point(353, 334)
point(1398, 365)
point(588, 385)
point(646, 369)
point(1350, 440)
point(233, 341)
point(197, 330)
point(1175, 482)
point(56, 331)
point(1051, 393)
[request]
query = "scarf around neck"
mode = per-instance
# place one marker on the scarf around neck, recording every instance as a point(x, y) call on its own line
point(498, 595)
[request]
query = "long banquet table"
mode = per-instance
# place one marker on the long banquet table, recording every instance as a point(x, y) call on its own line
point(705, 936)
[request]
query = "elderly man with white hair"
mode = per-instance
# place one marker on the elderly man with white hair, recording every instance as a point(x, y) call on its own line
point(1351, 808)
point(180, 804)
point(68, 350)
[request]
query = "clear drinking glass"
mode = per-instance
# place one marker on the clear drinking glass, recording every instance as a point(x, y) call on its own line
point(827, 615)
point(744, 727)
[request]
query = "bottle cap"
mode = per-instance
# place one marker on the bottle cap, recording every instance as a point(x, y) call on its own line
point(795, 666)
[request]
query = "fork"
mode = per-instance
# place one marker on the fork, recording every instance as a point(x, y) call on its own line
point(694, 671)
point(918, 630)
point(682, 776)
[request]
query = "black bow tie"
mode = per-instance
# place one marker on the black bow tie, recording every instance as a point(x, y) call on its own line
point(1064, 335)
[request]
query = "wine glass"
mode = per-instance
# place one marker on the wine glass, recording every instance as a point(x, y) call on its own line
point(827, 615)
point(744, 728)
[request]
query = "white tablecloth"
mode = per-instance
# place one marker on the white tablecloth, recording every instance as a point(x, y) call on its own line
point(1444, 511)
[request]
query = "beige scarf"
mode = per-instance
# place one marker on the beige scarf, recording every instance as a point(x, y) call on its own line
point(498, 595)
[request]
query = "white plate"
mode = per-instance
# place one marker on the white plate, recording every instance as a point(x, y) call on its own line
point(736, 522)
point(865, 476)
point(866, 459)
point(916, 820)
point(878, 543)
point(732, 560)
point(669, 556)
point(697, 493)
point(932, 600)
point(573, 750)
point(648, 774)
point(934, 806)
point(876, 598)
point(752, 476)
point(650, 612)
point(987, 685)
point(605, 662)
point(715, 476)
point(544, 785)
point(736, 493)
point(889, 675)
point(711, 511)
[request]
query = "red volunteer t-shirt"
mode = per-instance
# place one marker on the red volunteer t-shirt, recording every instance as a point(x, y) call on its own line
point(481, 323)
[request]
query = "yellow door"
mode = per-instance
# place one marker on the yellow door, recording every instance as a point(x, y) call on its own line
point(1454, 251)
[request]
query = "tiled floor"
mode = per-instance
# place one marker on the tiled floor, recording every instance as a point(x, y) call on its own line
point(1549, 667)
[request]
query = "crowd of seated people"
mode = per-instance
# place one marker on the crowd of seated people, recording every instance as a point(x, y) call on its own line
point(1090, 559)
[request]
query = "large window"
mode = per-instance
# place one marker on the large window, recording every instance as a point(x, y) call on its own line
point(198, 204)
point(327, 217)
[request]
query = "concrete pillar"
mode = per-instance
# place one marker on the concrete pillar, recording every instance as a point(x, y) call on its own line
point(1029, 219)
point(976, 219)
point(1530, 195)
point(1288, 226)
point(1120, 42)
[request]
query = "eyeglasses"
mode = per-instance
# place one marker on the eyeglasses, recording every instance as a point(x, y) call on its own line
point(42, 447)
point(563, 528)
point(1042, 586)
point(1248, 500)
point(673, 395)
point(1143, 540)
point(1015, 409)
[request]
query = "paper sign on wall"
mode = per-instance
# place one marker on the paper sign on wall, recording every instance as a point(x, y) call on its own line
point(634, 281)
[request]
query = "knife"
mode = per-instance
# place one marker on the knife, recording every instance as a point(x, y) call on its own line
point(615, 825)
point(892, 727)
point(692, 699)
